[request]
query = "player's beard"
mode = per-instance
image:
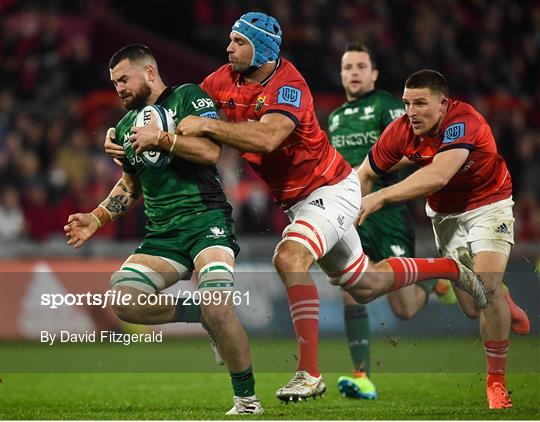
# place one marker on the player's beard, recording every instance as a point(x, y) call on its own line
point(356, 93)
point(139, 99)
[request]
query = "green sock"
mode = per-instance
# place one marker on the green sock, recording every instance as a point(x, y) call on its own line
point(428, 287)
point(186, 311)
point(358, 336)
point(243, 383)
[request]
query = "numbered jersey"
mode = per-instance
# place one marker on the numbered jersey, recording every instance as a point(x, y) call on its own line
point(305, 160)
point(483, 178)
point(355, 126)
point(182, 187)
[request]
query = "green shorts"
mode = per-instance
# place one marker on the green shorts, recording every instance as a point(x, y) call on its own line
point(387, 233)
point(195, 232)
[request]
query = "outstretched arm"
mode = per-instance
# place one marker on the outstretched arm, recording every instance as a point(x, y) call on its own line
point(263, 136)
point(123, 196)
point(421, 183)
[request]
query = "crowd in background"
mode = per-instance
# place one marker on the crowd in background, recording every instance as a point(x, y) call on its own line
point(56, 101)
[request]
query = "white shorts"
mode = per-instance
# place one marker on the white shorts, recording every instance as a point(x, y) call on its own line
point(331, 211)
point(487, 228)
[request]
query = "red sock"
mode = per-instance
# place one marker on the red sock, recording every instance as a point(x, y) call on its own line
point(496, 351)
point(408, 271)
point(304, 303)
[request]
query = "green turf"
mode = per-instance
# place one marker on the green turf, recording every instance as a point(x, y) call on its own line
point(192, 396)
point(405, 395)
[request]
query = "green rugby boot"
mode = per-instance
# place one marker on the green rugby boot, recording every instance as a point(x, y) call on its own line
point(358, 386)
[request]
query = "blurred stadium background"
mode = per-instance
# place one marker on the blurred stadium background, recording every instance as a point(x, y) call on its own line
point(56, 103)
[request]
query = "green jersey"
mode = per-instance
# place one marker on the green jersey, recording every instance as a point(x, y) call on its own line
point(182, 188)
point(355, 126)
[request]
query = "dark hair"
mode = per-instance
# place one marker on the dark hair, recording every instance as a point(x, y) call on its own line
point(427, 78)
point(362, 48)
point(132, 52)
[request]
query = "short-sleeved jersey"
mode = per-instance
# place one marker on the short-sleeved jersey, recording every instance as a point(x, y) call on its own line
point(182, 187)
point(305, 160)
point(355, 126)
point(483, 178)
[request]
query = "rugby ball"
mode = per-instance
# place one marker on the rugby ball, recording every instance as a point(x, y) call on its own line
point(157, 158)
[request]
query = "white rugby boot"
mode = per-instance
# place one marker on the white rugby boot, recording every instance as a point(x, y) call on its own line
point(246, 406)
point(301, 387)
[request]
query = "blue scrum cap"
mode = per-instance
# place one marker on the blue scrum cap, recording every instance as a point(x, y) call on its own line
point(264, 34)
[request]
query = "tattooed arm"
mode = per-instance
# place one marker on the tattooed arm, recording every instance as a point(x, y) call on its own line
point(123, 196)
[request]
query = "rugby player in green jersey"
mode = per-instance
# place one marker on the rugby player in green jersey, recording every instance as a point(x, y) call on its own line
point(353, 128)
point(189, 219)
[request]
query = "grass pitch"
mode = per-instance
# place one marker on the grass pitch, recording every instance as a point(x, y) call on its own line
point(207, 395)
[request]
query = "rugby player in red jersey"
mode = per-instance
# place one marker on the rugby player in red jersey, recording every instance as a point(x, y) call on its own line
point(469, 200)
point(272, 122)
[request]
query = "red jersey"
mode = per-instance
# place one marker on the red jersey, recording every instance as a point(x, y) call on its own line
point(483, 178)
point(305, 160)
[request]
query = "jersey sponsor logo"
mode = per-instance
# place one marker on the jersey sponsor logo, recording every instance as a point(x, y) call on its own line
point(334, 123)
point(396, 112)
point(210, 115)
point(202, 103)
point(260, 103)
point(369, 113)
point(454, 132)
point(289, 95)
point(355, 139)
point(318, 203)
point(397, 250)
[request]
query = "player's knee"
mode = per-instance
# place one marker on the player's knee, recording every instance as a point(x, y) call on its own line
point(403, 312)
point(126, 313)
point(283, 261)
point(363, 298)
point(135, 280)
point(291, 257)
point(363, 292)
point(369, 287)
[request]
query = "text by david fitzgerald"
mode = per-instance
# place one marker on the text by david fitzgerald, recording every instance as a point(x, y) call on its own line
point(100, 337)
